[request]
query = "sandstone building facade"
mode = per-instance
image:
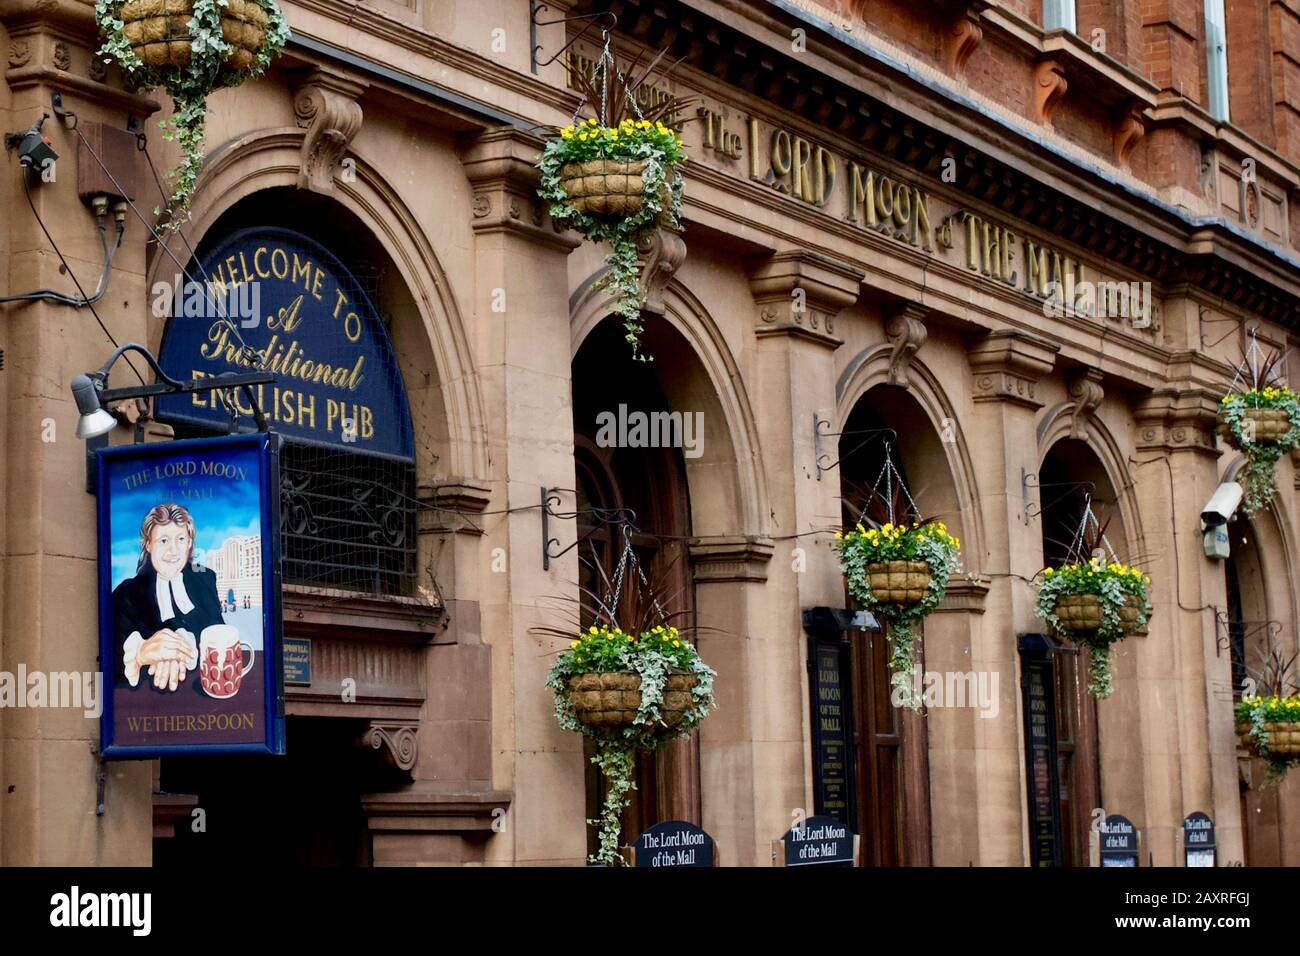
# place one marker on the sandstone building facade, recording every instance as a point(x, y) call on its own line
point(896, 215)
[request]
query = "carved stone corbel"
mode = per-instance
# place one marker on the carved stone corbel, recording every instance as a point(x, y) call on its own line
point(1086, 390)
point(906, 329)
point(1048, 90)
point(327, 108)
point(661, 254)
point(964, 35)
point(396, 742)
point(1129, 131)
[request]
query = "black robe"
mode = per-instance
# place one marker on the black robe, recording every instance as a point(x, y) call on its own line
point(135, 608)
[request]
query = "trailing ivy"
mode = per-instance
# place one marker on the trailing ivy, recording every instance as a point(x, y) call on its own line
point(189, 85)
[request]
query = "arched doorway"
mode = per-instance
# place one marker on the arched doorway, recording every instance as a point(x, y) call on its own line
point(637, 471)
point(892, 778)
point(348, 534)
point(1071, 476)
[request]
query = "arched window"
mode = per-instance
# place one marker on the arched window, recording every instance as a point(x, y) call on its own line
point(347, 464)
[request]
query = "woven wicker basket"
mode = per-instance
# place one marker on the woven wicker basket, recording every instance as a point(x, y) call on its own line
point(898, 582)
point(1283, 737)
point(1081, 613)
point(159, 31)
point(1271, 424)
point(611, 188)
point(612, 699)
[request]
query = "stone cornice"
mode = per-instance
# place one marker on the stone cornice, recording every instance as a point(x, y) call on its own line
point(730, 558)
point(409, 37)
point(1008, 364)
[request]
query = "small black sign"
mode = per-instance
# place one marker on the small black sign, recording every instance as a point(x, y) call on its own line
point(297, 661)
point(674, 843)
point(821, 841)
point(1198, 839)
point(1117, 841)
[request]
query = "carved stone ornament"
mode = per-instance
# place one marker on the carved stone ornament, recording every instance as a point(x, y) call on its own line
point(327, 108)
point(1129, 131)
point(907, 333)
point(661, 254)
point(1086, 390)
point(62, 57)
point(396, 742)
point(1048, 90)
point(98, 69)
point(20, 53)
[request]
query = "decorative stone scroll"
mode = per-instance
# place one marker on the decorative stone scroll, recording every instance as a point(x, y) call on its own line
point(907, 333)
point(327, 108)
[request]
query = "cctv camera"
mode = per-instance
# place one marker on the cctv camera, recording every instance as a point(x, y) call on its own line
point(1221, 506)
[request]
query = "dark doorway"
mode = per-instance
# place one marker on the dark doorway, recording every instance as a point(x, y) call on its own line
point(302, 809)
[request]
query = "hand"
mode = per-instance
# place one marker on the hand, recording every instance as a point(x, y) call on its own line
point(168, 675)
point(165, 654)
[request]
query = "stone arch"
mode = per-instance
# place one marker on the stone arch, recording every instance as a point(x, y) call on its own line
point(712, 378)
point(1055, 425)
point(870, 369)
point(270, 158)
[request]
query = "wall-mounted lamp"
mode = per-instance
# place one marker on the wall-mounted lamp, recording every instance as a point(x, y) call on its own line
point(91, 395)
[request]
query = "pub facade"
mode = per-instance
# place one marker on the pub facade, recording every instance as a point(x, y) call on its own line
point(1015, 250)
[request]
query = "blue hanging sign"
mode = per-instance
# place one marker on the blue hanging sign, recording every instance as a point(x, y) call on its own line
point(304, 319)
point(189, 597)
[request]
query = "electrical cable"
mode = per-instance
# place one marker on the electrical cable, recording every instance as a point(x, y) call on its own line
point(28, 192)
point(1173, 530)
point(50, 295)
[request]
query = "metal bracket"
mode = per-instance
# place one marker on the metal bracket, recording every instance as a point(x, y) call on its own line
point(818, 435)
point(604, 516)
point(101, 784)
point(1029, 479)
point(62, 112)
point(534, 48)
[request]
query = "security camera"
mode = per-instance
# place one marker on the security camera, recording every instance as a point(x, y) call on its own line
point(1216, 514)
point(1222, 505)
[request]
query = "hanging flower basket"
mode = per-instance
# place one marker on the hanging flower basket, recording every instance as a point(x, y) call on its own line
point(613, 699)
point(899, 573)
point(190, 48)
point(616, 177)
point(1263, 424)
point(628, 692)
point(1096, 605)
point(1269, 727)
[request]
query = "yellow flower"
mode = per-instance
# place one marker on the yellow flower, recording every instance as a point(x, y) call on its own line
point(591, 122)
point(1048, 572)
point(593, 629)
point(574, 644)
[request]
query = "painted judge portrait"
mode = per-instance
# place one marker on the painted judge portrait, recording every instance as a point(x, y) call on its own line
point(159, 613)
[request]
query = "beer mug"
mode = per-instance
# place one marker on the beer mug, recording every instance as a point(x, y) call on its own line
point(221, 661)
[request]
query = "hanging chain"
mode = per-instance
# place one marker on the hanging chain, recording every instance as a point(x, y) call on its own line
point(889, 474)
point(628, 557)
point(1075, 552)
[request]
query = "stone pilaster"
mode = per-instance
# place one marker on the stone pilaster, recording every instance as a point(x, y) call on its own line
point(755, 749)
point(523, 358)
point(1184, 683)
point(47, 755)
point(1007, 368)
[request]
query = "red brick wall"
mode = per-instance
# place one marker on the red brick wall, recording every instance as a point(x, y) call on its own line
point(1250, 82)
point(1172, 54)
point(1122, 22)
point(1284, 36)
